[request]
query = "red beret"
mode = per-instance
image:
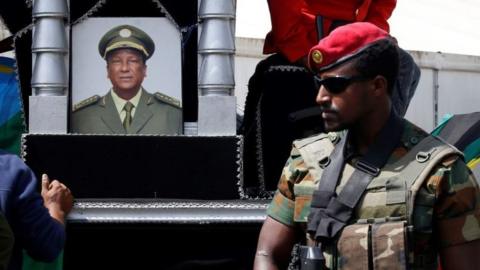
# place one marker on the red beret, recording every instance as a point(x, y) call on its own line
point(344, 43)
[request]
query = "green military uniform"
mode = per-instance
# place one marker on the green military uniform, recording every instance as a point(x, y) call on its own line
point(445, 213)
point(156, 114)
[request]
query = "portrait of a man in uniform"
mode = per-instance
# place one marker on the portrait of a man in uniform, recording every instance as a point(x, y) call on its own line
point(127, 107)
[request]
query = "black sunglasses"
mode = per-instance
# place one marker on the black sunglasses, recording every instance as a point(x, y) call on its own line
point(337, 84)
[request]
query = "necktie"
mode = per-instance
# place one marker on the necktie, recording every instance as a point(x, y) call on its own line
point(128, 115)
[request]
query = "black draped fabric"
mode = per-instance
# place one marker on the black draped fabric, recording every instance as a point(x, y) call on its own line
point(276, 90)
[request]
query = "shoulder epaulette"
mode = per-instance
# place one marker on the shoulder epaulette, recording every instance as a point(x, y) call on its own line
point(167, 99)
point(332, 136)
point(86, 102)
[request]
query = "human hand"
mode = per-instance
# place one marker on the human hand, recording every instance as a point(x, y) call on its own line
point(57, 198)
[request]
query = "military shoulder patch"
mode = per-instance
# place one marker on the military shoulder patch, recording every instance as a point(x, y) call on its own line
point(333, 136)
point(167, 99)
point(86, 102)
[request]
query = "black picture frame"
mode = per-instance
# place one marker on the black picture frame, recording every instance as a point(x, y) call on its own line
point(182, 14)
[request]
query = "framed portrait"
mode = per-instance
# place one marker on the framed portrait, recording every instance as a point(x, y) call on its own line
point(93, 76)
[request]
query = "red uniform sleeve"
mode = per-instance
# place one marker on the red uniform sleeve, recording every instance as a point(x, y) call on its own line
point(293, 21)
point(293, 29)
point(379, 12)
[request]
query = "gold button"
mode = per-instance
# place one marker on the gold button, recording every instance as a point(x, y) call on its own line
point(317, 56)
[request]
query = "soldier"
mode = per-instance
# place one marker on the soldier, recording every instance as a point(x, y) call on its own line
point(127, 108)
point(297, 25)
point(376, 192)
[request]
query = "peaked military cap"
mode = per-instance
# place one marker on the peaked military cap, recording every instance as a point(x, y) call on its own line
point(128, 37)
point(344, 43)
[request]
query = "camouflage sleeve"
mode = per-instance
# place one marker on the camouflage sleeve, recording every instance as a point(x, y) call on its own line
point(457, 207)
point(283, 204)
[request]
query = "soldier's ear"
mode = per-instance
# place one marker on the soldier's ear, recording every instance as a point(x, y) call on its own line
point(380, 85)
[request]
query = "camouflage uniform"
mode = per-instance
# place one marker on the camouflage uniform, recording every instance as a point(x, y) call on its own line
point(446, 210)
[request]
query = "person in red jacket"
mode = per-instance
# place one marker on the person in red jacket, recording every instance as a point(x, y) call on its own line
point(295, 26)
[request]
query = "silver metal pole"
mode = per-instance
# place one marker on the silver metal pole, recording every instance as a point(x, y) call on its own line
point(48, 103)
point(216, 83)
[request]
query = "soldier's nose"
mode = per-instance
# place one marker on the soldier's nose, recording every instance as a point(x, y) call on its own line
point(323, 96)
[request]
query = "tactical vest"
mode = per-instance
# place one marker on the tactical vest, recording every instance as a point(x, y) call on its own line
point(392, 213)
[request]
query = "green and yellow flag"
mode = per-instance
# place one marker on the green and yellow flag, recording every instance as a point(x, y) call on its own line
point(12, 123)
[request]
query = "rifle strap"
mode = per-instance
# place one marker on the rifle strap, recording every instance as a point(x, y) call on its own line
point(330, 213)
